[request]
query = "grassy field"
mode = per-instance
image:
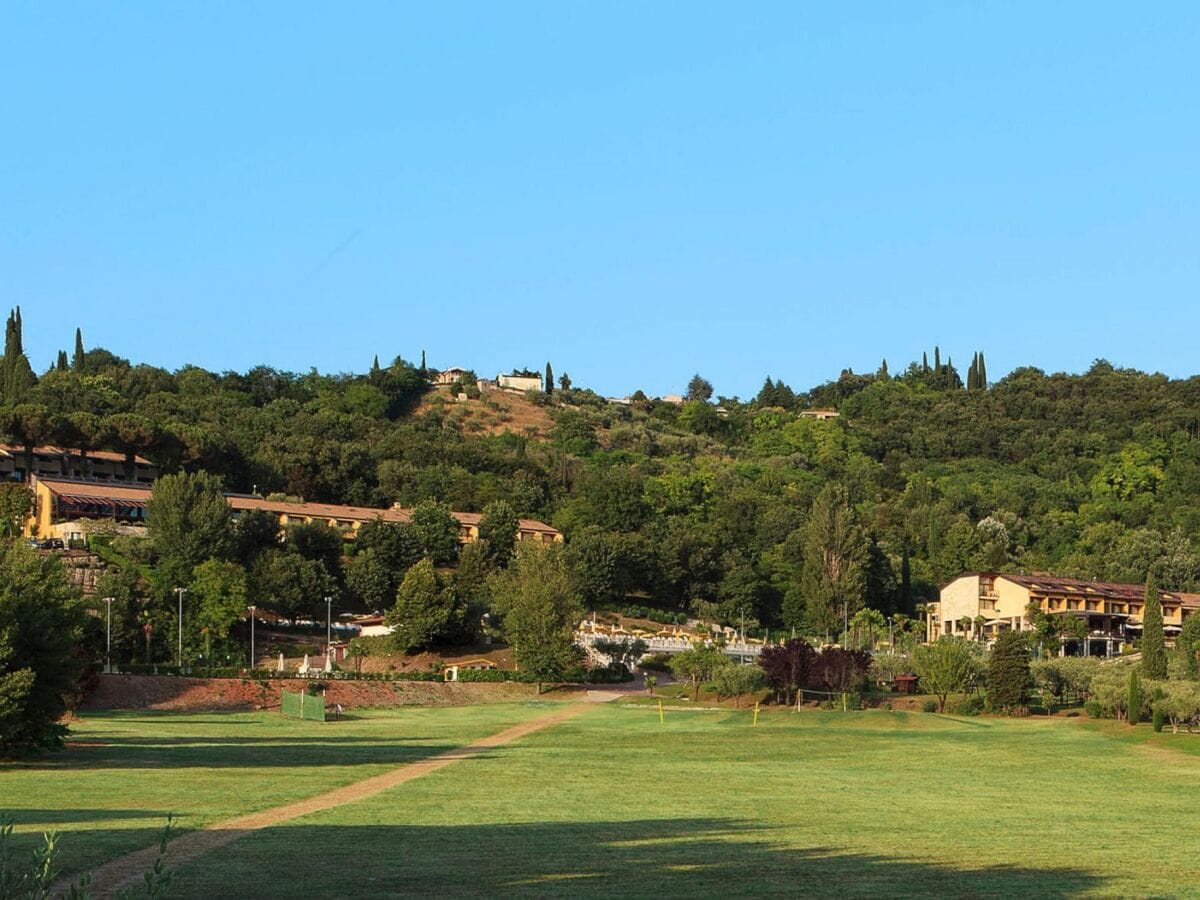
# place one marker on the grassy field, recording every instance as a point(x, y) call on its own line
point(613, 802)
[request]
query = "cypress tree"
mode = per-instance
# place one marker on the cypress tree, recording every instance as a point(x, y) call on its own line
point(1134, 714)
point(77, 359)
point(883, 371)
point(924, 362)
point(422, 362)
point(906, 595)
point(1154, 651)
point(1009, 679)
point(937, 358)
point(982, 374)
point(549, 379)
point(16, 375)
point(375, 365)
point(61, 364)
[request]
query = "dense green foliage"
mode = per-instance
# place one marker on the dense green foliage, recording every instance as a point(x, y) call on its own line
point(754, 510)
point(40, 624)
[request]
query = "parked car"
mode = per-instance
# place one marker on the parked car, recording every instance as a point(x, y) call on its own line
point(53, 544)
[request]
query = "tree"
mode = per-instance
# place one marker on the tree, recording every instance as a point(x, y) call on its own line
point(622, 655)
point(835, 555)
point(437, 531)
point(842, 670)
point(79, 358)
point(1188, 645)
point(396, 544)
point(564, 382)
point(549, 383)
point(425, 608)
point(16, 375)
point(1154, 651)
point(60, 363)
point(370, 581)
point(218, 594)
point(699, 389)
point(1133, 706)
point(290, 585)
point(788, 666)
point(1009, 679)
point(40, 625)
point(944, 667)
point(538, 601)
point(358, 650)
point(498, 530)
point(189, 519)
point(698, 665)
point(16, 503)
point(734, 681)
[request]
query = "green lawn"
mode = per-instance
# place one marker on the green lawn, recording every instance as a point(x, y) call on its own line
point(614, 803)
point(124, 771)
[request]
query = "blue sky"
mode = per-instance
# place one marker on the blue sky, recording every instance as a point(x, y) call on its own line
point(634, 191)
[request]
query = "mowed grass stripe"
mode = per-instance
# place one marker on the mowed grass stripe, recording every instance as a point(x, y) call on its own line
point(126, 871)
point(109, 793)
point(855, 804)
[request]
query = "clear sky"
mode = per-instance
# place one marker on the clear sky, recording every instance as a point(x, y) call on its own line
point(634, 191)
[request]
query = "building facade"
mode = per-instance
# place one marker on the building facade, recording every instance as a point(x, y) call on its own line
point(73, 509)
point(980, 605)
point(61, 462)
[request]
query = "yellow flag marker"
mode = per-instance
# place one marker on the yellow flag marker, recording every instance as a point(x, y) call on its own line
point(756, 713)
point(661, 719)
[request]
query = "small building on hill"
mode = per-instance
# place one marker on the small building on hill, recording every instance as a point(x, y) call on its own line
point(520, 381)
point(449, 376)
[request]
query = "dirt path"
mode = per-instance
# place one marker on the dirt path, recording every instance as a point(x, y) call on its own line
point(127, 870)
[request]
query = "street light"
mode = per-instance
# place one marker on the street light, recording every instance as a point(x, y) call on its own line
point(328, 625)
point(252, 608)
point(108, 638)
point(179, 657)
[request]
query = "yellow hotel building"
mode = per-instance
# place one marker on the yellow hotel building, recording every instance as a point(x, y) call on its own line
point(979, 605)
point(69, 509)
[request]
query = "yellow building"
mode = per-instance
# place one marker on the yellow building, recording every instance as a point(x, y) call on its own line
point(70, 510)
point(980, 605)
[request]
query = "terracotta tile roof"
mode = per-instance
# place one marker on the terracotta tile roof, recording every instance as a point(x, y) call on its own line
point(116, 491)
point(1109, 590)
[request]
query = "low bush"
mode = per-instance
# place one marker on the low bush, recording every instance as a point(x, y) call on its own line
point(929, 705)
point(1094, 709)
point(969, 706)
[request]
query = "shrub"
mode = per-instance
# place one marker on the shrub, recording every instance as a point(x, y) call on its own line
point(929, 705)
point(1093, 709)
point(969, 706)
point(1157, 718)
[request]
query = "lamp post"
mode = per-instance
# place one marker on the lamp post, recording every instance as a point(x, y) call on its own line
point(252, 608)
point(328, 625)
point(891, 638)
point(108, 638)
point(179, 656)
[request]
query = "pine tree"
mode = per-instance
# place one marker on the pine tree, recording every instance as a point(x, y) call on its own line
point(549, 379)
point(1154, 652)
point(77, 359)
